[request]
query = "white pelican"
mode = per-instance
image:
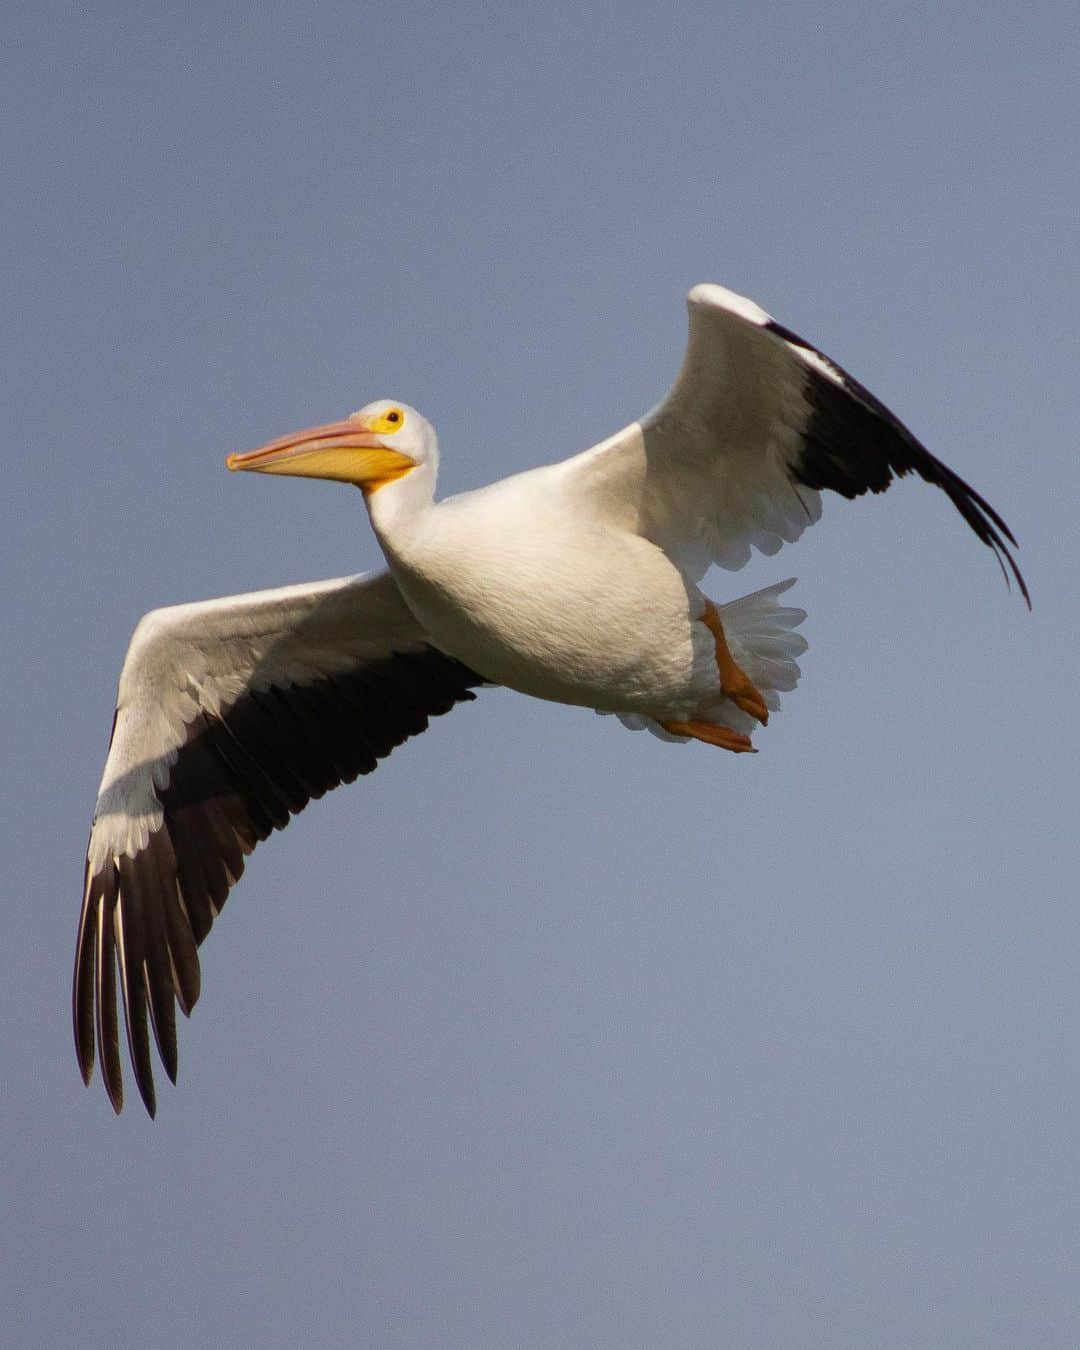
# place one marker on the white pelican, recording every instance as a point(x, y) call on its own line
point(575, 582)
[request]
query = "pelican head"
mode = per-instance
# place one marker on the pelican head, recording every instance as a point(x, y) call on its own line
point(378, 444)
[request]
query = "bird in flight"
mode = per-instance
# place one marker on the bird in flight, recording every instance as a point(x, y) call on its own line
point(576, 582)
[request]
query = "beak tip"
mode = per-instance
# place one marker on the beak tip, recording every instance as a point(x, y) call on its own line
point(232, 462)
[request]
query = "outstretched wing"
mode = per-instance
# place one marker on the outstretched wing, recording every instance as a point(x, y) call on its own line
point(757, 423)
point(231, 715)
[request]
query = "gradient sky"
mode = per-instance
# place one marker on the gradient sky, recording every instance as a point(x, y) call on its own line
point(550, 1035)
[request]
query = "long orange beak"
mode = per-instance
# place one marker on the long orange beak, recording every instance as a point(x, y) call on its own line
point(347, 452)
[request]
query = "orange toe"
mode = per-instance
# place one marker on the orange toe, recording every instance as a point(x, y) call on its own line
point(723, 737)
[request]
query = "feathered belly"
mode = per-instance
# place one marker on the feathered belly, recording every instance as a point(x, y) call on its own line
point(604, 621)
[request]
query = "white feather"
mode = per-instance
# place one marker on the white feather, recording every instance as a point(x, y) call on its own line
point(203, 656)
point(707, 474)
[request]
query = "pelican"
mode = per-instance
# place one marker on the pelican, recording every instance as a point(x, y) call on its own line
point(576, 582)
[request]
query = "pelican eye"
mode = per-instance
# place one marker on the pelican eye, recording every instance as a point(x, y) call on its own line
point(393, 419)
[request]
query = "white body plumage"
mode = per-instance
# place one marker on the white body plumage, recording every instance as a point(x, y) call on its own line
point(552, 602)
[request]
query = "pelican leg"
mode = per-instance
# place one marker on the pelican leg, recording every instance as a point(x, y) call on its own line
point(723, 737)
point(734, 681)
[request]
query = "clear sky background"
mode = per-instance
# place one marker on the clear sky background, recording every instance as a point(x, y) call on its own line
point(550, 1035)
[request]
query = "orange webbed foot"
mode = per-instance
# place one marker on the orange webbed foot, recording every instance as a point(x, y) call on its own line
point(744, 694)
point(722, 737)
point(735, 684)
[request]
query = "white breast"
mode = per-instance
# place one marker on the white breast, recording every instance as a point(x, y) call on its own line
point(554, 604)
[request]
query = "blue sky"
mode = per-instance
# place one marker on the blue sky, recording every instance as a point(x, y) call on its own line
point(548, 1034)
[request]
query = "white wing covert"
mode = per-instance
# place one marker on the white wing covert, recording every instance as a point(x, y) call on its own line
point(756, 424)
point(231, 715)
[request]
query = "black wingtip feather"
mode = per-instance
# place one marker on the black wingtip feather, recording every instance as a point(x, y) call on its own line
point(157, 967)
point(82, 992)
point(105, 963)
point(853, 443)
point(132, 940)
